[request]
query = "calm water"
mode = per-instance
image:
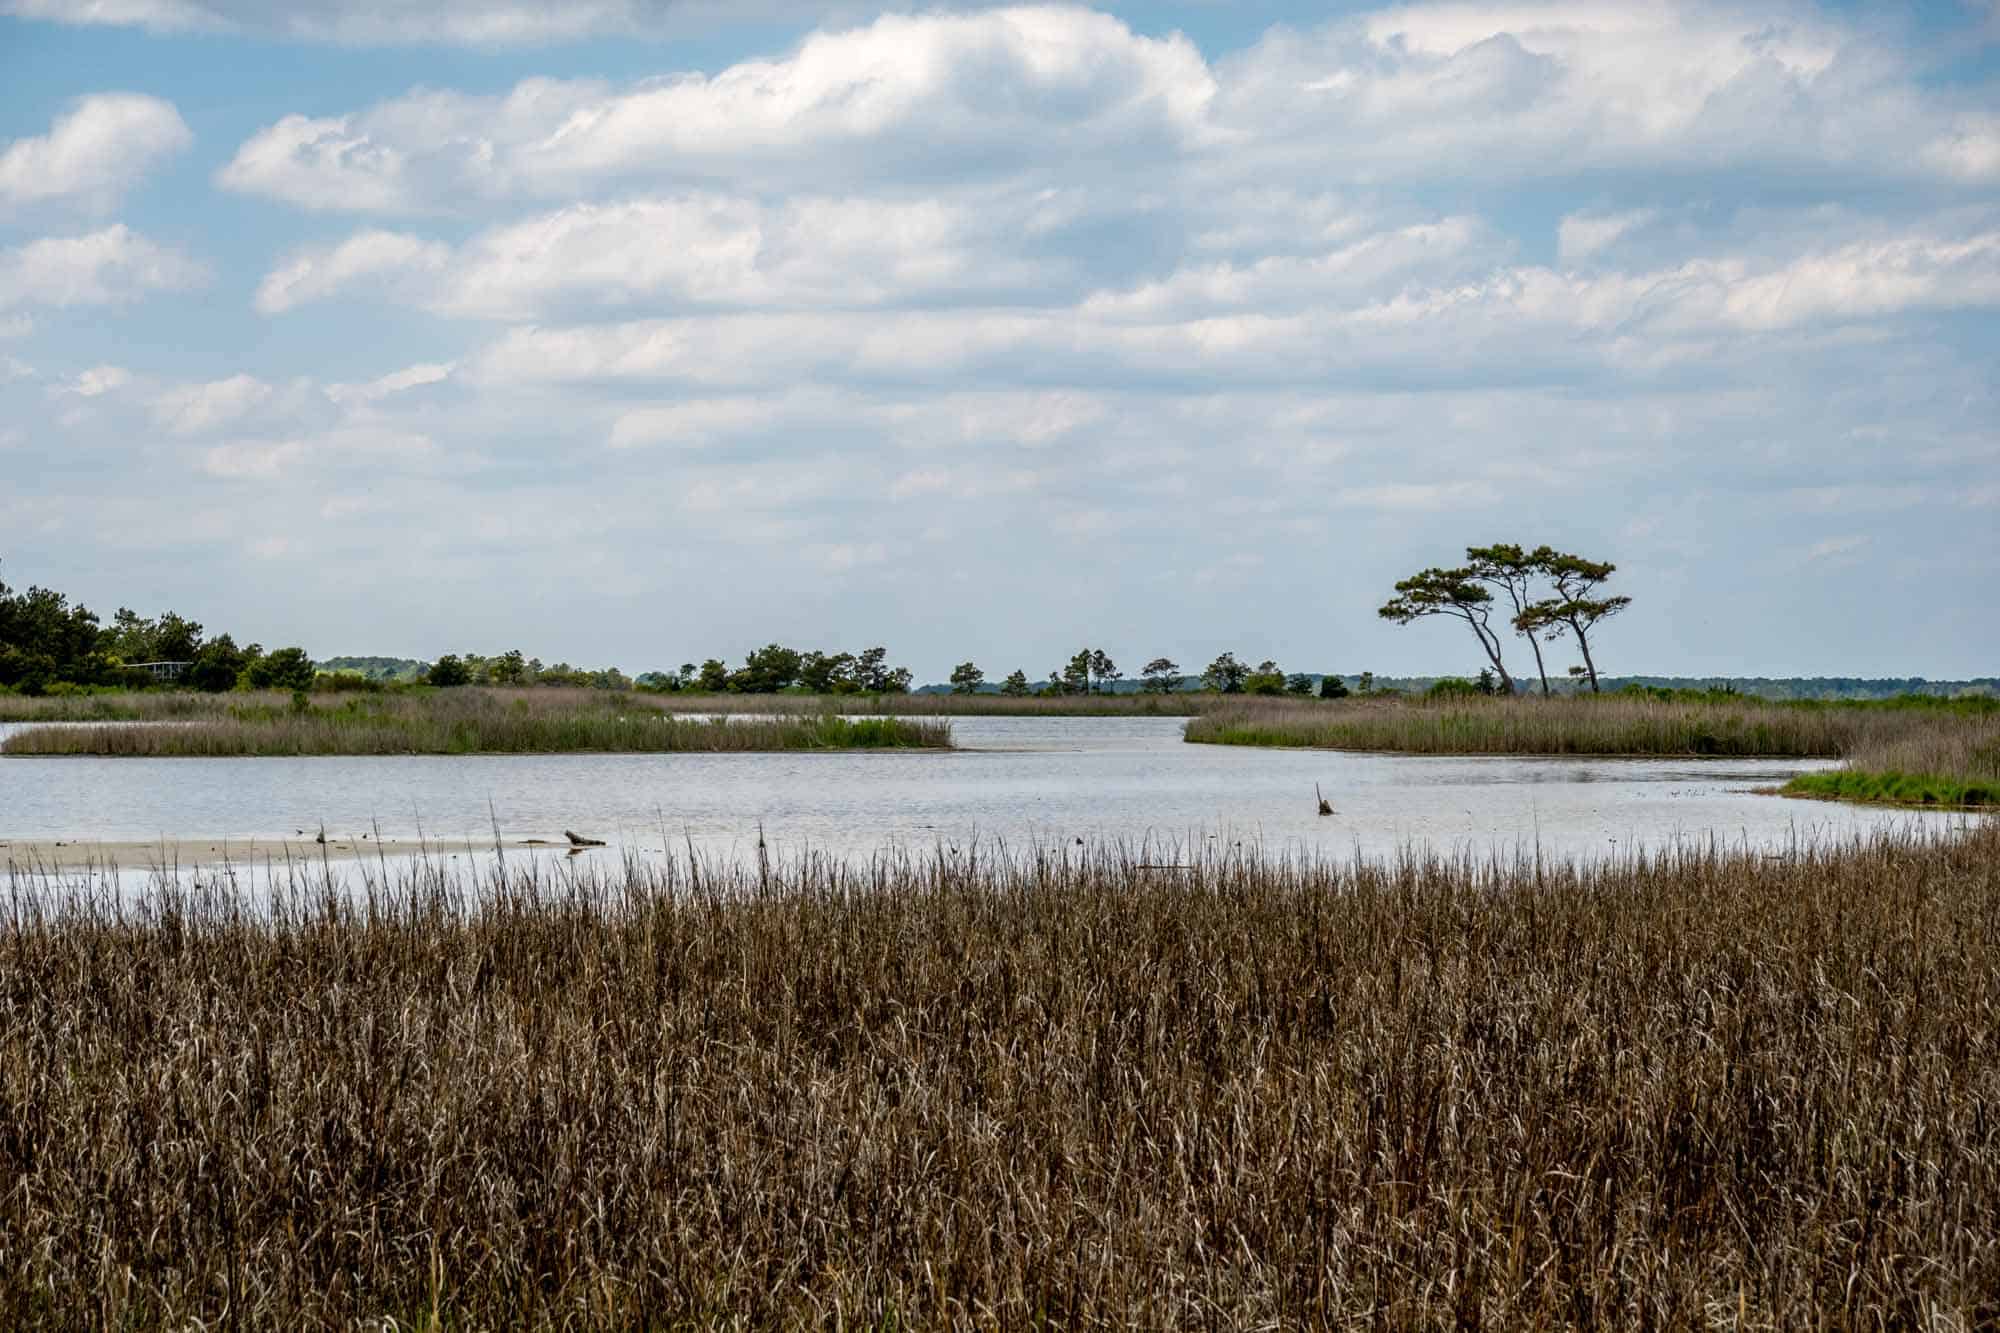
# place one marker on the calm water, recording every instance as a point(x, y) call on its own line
point(1024, 780)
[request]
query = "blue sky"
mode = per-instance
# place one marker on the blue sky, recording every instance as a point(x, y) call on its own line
point(638, 331)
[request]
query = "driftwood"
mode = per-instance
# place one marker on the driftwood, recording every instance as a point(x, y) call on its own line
point(1325, 807)
point(578, 840)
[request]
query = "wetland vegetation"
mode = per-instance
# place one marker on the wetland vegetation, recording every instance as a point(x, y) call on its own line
point(1918, 750)
point(467, 721)
point(1068, 1089)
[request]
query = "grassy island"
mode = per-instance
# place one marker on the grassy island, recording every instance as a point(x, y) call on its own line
point(464, 721)
point(1914, 751)
point(1064, 1090)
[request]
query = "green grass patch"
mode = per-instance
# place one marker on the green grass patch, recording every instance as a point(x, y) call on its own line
point(1921, 789)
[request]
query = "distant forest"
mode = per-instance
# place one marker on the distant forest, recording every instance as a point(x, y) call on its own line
point(48, 642)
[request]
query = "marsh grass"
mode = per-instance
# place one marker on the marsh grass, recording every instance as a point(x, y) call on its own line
point(1609, 725)
point(467, 721)
point(1935, 752)
point(1937, 766)
point(1183, 704)
point(1057, 1090)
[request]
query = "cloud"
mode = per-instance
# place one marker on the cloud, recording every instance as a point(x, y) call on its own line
point(482, 23)
point(105, 267)
point(94, 382)
point(93, 153)
point(399, 381)
point(690, 250)
point(1581, 236)
point(928, 97)
point(1498, 92)
point(1836, 550)
point(316, 273)
point(1515, 323)
point(193, 408)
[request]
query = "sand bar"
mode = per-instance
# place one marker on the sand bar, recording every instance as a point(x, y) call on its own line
point(29, 854)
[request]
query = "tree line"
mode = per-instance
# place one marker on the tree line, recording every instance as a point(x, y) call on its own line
point(48, 642)
point(1542, 595)
point(1092, 671)
point(767, 670)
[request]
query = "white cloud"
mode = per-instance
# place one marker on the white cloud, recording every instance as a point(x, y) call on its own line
point(1968, 151)
point(1580, 236)
point(252, 461)
point(192, 408)
point(410, 377)
point(1506, 90)
point(839, 557)
point(693, 422)
point(104, 267)
point(393, 22)
point(93, 153)
point(690, 250)
point(1836, 550)
point(931, 96)
point(316, 273)
point(93, 383)
point(1509, 322)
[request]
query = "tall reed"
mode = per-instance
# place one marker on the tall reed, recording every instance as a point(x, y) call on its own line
point(1936, 765)
point(1583, 726)
point(1043, 1090)
point(468, 721)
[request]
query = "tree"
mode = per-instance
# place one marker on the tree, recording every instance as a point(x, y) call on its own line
point(874, 676)
point(1076, 674)
point(1162, 675)
point(713, 678)
point(1016, 684)
point(1299, 683)
point(449, 672)
point(1332, 687)
point(510, 668)
point(1450, 592)
point(1102, 667)
point(767, 670)
point(43, 639)
point(1225, 675)
point(1268, 678)
point(966, 678)
point(216, 667)
point(824, 674)
point(1513, 571)
point(1575, 609)
point(282, 669)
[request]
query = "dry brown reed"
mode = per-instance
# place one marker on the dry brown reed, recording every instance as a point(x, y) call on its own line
point(1609, 725)
point(1046, 1090)
point(469, 721)
point(1183, 704)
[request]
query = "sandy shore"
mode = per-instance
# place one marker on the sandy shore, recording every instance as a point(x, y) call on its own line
point(80, 854)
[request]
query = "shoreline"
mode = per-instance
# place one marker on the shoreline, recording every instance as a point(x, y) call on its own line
point(30, 855)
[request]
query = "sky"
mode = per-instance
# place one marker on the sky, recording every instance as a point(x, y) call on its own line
point(637, 332)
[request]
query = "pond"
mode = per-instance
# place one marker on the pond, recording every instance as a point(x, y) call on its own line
point(1023, 781)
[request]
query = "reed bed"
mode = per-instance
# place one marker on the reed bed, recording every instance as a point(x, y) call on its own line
point(1183, 704)
point(468, 721)
point(1581, 726)
point(1947, 766)
point(1055, 1090)
point(124, 705)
